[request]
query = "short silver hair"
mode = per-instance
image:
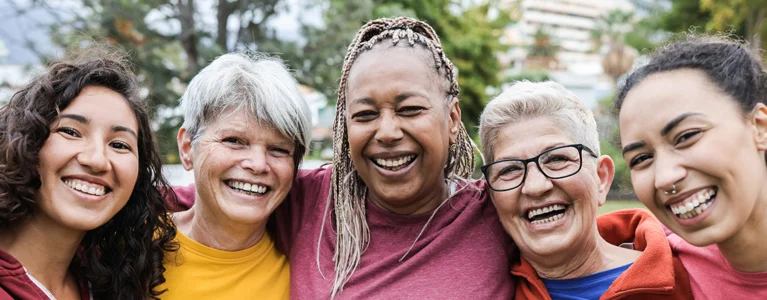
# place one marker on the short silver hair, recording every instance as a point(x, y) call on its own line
point(253, 81)
point(525, 100)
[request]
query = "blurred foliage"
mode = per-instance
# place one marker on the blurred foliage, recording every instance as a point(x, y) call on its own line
point(533, 76)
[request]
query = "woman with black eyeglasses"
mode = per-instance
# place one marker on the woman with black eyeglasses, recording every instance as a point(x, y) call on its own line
point(547, 179)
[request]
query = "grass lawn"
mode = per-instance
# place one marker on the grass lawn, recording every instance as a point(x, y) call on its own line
point(612, 205)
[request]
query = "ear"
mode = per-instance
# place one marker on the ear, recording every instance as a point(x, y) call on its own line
point(184, 140)
point(759, 121)
point(606, 174)
point(454, 119)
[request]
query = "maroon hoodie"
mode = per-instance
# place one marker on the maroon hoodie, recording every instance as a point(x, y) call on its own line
point(16, 284)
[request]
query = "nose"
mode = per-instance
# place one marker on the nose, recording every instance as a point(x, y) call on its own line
point(94, 157)
point(536, 184)
point(668, 171)
point(256, 161)
point(389, 130)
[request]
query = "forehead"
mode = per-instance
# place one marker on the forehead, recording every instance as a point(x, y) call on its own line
point(241, 121)
point(102, 105)
point(412, 64)
point(529, 137)
point(663, 96)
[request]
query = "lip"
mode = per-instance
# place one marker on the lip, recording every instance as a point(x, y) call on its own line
point(84, 196)
point(527, 209)
point(551, 225)
point(390, 173)
point(88, 178)
point(697, 219)
point(252, 182)
point(391, 154)
point(683, 196)
point(242, 194)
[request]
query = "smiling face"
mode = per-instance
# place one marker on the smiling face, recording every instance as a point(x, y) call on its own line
point(243, 169)
point(549, 216)
point(680, 132)
point(89, 163)
point(399, 127)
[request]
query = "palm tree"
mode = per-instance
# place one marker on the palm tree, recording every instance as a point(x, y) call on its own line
point(611, 28)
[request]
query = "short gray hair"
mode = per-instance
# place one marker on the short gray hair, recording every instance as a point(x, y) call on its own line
point(525, 100)
point(253, 81)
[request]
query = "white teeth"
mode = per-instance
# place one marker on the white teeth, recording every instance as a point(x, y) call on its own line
point(693, 205)
point(86, 187)
point(248, 187)
point(536, 212)
point(393, 163)
point(549, 219)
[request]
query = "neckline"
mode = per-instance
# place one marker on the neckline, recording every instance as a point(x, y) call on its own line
point(261, 247)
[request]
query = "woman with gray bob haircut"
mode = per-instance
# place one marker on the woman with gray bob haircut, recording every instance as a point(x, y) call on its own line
point(246, 128)
point(547, 180)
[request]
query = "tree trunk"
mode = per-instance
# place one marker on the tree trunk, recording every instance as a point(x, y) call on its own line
point(188, 37)
point(225, 9)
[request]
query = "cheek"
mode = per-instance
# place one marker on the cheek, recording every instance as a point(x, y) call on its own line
point(505, 202)
point(127, 169)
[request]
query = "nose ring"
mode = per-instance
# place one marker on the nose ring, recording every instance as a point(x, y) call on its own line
point(672, 192)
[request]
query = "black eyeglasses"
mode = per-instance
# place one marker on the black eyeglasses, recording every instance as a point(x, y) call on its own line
point(555, 163)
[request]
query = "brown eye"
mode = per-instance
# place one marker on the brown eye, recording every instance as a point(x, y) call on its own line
point(686, 136)
point(636, 160)
point(364, 116)
point(69, 131)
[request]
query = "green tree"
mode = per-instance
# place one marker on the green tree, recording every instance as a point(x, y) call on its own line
point(747, 15)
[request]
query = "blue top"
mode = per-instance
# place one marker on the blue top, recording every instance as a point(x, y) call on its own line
point(589, 287)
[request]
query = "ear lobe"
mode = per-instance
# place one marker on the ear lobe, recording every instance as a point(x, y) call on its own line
point(606, 174)
point(759, 121)
point(184, 141)
point(454, 119)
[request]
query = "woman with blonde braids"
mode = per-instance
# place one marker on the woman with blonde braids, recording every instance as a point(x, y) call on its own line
point(396, 216)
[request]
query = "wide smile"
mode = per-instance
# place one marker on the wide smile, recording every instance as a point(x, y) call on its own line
point(693, 207)
point(394, 164)
point(546, 214)
point(86, 188)
point(248, 188)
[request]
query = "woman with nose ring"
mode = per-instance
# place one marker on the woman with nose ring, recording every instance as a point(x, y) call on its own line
point(693, 124)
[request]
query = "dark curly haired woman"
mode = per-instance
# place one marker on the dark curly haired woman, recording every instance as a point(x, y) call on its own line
point(80, 213)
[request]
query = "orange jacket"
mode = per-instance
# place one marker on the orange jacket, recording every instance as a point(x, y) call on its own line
point(656, 274)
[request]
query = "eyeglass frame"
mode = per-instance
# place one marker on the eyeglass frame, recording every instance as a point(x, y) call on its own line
point(527, 161)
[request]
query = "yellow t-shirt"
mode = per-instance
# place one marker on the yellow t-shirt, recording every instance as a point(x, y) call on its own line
point(197, 271)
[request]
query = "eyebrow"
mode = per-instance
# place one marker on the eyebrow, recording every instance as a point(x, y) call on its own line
point(633, 146)
point(673, 123)
point(119, 128)
point(75, 117)
point(399, 98)
point(86, 121)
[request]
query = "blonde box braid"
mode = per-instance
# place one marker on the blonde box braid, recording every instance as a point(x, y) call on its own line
point(348, 189)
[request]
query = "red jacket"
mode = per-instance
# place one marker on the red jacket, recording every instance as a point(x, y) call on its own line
point(15, 284)
point(656, 274)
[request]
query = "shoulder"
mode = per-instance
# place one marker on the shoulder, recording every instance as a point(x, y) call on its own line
point(313, 177)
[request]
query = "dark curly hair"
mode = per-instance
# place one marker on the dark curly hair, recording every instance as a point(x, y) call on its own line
point(122, 259)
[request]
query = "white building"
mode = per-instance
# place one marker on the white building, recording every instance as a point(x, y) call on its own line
point(569, 24)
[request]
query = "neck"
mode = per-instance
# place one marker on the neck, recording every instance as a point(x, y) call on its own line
point(45, 249)
point(596, 255)
point(217, 231)
point(420, 204)
point(747, 250)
